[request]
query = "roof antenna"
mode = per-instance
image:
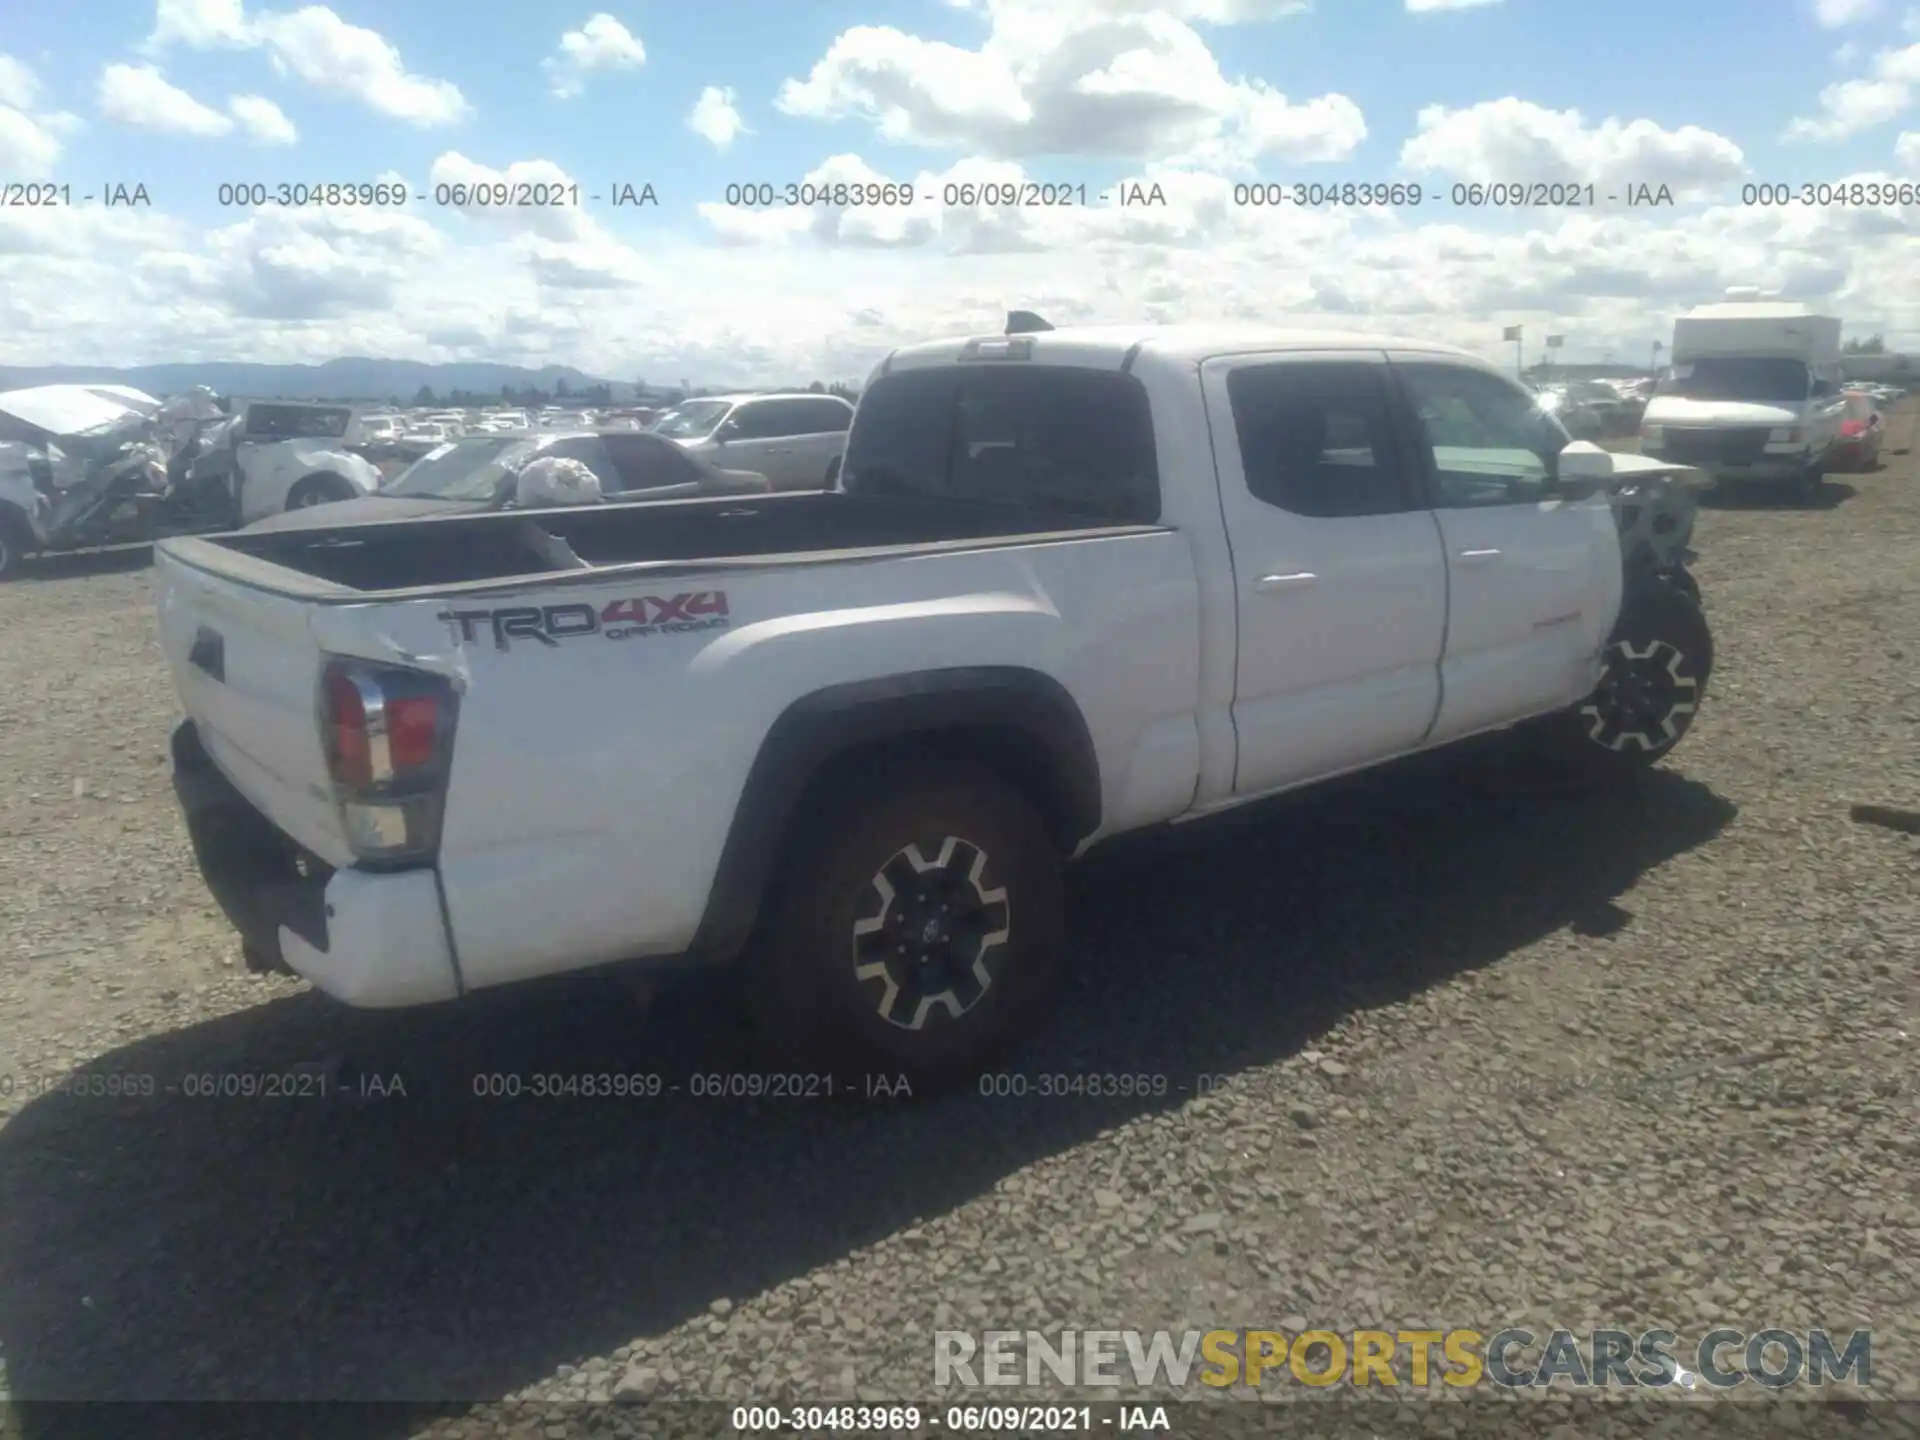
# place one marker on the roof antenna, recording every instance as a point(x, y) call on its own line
point(1025, 322)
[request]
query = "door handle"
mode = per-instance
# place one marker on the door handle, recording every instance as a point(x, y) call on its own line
point(1478, 557)
point(1268, 583)
point(779, 450)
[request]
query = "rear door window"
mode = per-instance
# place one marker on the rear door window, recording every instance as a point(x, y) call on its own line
point(1058, 440)
point(590, 451)
point(756, 420)
point(646, 462)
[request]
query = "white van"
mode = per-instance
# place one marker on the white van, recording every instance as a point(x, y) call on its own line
point(1752, 396)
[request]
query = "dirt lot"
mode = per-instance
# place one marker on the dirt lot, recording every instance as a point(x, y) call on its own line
point(1485, 1058)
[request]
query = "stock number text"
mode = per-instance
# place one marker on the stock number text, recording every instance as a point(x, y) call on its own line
point(359, 194)
point(1272, 194)
point(867, 193)
point(1846, 192)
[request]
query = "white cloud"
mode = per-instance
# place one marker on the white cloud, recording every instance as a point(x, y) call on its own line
point(29, 142)
point(28, 147)
point(603, 43)
point(1902, 66)
point(1906, 150)
point(715, 118)
point(561, 245)
point(199, 24)
point(1835, 13)
point(1851, 106)
point(139, 95)
point(1088, 77)
point(315, 45)
point(19, 86)
point(1201, 12)
point(1427, 7)
point(1513, 139)
point(263, 120)
point(320, 48)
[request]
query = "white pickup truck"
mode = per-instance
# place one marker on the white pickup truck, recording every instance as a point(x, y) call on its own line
point(1070, 584)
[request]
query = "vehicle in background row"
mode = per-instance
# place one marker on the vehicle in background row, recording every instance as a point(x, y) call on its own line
point(1861, 433)
point(1752, 396)
point(110, 473)
point(424, 435)
point(796, 441)
point(840, 744)
point(476, 473)
point(1579, 418)
point(379, 435)
point(1634, 395)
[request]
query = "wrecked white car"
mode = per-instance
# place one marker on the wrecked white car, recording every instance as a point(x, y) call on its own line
point(84, 466)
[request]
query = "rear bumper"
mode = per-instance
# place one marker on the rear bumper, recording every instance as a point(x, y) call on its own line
point(377, 941)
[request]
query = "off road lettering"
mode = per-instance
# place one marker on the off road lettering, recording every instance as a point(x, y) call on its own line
point(623, 619)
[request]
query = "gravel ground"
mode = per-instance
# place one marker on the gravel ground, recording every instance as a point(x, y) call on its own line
point(1482, 1056)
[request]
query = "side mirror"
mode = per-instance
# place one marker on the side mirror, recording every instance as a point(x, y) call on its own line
point(1583, 469)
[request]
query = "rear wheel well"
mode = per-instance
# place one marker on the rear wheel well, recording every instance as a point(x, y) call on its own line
point(329, 482)
point(1018, 756)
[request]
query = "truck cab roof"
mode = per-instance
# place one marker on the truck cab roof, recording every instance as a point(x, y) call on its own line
point(1110, 346)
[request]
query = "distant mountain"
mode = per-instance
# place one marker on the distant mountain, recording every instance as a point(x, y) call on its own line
point(352, 378)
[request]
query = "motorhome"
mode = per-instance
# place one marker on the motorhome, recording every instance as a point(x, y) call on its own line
point(1752, 395)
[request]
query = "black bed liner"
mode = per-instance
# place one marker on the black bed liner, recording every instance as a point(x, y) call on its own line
point(435, 553)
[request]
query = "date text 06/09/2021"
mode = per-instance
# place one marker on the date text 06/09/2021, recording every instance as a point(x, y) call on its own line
point(954, 1419)
point(1466, 195)
point(444, 195)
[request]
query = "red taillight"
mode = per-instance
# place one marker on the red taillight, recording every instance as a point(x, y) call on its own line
point(413, 723)
point(1850, 428)
point(383, 725)
point(349, 747)
point(388, 736)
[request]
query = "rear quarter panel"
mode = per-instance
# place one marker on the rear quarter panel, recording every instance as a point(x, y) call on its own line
point(595, 780)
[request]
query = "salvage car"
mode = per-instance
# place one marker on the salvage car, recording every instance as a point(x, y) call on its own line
point(839, 744)
point(1861, 433)
point(113, 470)
point(477, 473)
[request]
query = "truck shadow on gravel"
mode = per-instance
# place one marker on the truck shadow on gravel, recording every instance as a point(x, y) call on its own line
point(439, 1248)
point(1833, 495)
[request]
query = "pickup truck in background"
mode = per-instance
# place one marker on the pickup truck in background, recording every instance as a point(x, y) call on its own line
point(1069, 584)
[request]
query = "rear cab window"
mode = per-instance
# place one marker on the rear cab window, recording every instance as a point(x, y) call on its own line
point(1048, 439)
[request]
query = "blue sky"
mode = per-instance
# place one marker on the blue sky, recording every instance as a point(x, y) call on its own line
point(1198, 95)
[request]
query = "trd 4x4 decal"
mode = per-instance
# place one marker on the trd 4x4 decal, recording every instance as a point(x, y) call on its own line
point(616, 620)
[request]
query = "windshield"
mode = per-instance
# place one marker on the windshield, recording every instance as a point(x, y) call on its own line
point(1739, 377)
point(462, 470)
point(692, 422)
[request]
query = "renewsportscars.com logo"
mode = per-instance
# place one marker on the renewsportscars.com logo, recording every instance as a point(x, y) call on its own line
point(627, 619)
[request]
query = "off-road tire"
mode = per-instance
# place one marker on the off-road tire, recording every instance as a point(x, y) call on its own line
point(319, 490)
point(1658, 664)
point(16, 541)
point(855, 971)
